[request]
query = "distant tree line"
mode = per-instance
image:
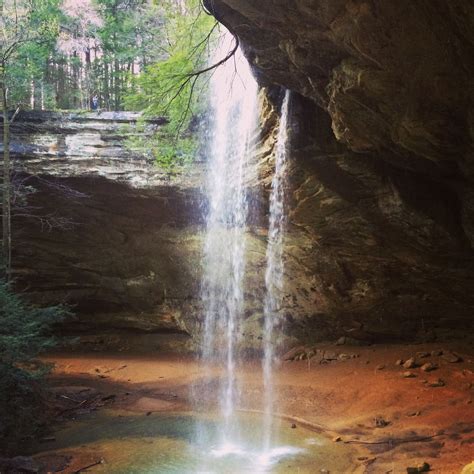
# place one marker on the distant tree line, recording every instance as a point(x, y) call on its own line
point(85, 48)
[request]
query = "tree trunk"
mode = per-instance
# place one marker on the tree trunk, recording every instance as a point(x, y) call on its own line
point(116, 85)
point(6, 202)
point(106, 86)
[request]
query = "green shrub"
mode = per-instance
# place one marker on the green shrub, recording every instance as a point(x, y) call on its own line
point(24, 333)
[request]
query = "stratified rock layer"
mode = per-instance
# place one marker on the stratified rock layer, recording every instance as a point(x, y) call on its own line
point(106, 231)
point(381, 174)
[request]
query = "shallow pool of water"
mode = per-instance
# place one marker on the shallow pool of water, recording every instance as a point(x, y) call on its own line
point(188, 443)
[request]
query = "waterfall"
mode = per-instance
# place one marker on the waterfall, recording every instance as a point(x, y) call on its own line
point(232, 165)
point(274, 269)
point(233, 131)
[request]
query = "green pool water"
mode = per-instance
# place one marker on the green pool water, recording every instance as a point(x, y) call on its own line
point(188, 443)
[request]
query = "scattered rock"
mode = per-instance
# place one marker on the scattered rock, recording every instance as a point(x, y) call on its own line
point(436, 353)
point(293, 426)
point(410, 363)
point(148, 413)
point(428, 367)
point(310, 354)
point(350, 341)
point(344, 356)
point(436, 383)
point(337, 439)
point(414, 413)
point(292, 353)
point(380, 422)
point(408, 375)
point(422, 354)
point(451, 357)
point(380, 367)
point(399, 362)
point(425, 467)
point(329, 355)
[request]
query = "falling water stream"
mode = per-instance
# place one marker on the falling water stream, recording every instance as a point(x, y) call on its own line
point(234, 129)
point(274, 271)
point(232, 162)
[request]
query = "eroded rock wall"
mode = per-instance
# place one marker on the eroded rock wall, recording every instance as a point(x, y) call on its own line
point(381, 184)
point(105, 231)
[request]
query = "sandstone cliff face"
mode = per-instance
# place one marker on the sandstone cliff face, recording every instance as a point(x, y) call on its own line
point(106, 231)
point(381, 172)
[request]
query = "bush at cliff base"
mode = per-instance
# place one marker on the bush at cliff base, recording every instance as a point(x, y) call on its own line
point(24, 333)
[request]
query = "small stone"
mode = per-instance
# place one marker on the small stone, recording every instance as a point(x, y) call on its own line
point(428, 367)
point(337, 439)
point(436, 383)
point(410, 363)
point(451, 357)
point(329, 355)
point(367, 361)
point(414, 413)
point(380, 367)
point(422, 354)
point(341, 341)
point(381, 422)
point(469, 402)
point(293, 426)
point(425, 467)
point(344, 356)
point(148, 413)
point(293, 353)
point(408, 375)
point(399, 362)
point(436, 353)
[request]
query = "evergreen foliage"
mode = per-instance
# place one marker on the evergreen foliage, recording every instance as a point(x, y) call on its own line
point(24, 333)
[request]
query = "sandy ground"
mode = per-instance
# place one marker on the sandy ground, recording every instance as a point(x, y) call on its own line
point(396, 422)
